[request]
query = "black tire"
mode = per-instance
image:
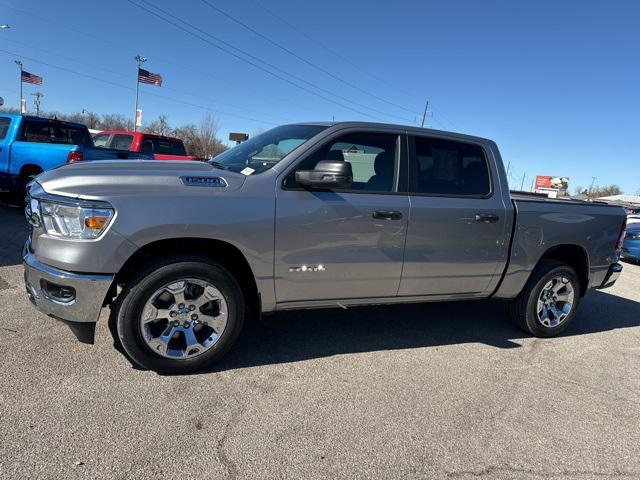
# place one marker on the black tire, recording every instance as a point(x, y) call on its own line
point(153, 276)
point(522, 309)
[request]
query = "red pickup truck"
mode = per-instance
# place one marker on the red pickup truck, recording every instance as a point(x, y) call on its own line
point(161, 147)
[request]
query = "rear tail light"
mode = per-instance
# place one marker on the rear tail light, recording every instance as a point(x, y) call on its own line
point(75, 157)
point(623, 230)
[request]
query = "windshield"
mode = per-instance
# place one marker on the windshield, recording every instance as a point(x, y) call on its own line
point(263, 151)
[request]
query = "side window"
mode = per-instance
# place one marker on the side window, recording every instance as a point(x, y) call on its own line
point(373, 159)
point(70, 135)
point(122, 142)
point(445, 167)
point(162, 146)
point(4, 126)
point(37, 132)
point(177, 148)
point(147, 146)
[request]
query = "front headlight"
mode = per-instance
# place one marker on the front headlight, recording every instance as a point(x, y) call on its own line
point(74, 221)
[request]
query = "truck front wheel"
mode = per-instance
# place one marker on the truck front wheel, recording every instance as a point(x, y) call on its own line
point(549, 301)
point(180, 314)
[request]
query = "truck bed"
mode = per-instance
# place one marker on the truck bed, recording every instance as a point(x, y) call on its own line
point(541, 197)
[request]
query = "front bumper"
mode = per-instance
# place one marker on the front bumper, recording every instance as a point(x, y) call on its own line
point(612, 275)
point(83, 294)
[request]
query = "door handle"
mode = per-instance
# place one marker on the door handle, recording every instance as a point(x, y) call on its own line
point(487, 218)
point(387, 214)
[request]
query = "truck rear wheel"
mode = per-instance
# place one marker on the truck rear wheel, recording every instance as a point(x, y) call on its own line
point(549, 301)
point(180, 315)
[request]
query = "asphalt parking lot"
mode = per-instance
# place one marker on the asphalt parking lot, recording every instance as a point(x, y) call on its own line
point(419, 391)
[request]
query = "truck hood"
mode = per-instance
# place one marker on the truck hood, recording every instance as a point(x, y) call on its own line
point(108, 179)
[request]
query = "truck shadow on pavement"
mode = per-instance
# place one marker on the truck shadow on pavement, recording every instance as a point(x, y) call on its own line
point(304, 335)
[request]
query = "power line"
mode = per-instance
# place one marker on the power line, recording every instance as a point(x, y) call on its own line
point(256, 59)
point(305, 60)
point(336, 53)
point(98, 79)
point(32, 15)
point(126, 47)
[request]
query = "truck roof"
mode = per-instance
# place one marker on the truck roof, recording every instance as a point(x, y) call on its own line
point(33, 118)
point(409, 128)
point(138, 134)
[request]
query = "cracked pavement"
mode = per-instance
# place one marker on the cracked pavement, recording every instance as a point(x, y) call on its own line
point(449, 391)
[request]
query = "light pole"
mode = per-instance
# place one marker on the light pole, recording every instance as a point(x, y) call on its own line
point(140, 60)
point(19, 63)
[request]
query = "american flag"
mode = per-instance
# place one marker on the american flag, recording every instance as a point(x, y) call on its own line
point(27, 77)
point(145, 76)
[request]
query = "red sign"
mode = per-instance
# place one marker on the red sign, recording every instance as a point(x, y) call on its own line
point(555, 183)
point(543, 182)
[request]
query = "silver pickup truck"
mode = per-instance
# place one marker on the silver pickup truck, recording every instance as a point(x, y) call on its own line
point(304, 216)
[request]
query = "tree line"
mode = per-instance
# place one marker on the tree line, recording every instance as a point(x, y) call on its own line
point(200, 140)
point(599, 191)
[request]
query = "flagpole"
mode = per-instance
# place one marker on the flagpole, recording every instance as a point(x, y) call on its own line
point(135, 112)
point(140, 60)
point(19, 63)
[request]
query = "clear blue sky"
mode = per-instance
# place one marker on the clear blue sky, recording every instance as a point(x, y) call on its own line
point(555, 84)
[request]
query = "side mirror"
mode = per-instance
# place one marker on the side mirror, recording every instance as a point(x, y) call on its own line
point(327, 174)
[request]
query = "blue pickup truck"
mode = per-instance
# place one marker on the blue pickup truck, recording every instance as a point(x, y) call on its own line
point(32, 145)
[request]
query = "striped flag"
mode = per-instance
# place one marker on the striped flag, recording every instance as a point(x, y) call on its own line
point(27, 77)
point(145, 76)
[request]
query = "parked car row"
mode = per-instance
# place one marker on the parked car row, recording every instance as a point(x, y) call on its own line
point(31, 145)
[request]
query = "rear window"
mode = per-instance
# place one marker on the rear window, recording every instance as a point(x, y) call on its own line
point(44, 132)
point(4, 126)
point(101, 140)
point(445, 167)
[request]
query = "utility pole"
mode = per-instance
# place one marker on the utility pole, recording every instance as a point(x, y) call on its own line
point(523, 178)
point(593, 180)
point(19, 63)
point(140, 60)
point(36, 102)
point(424, 114)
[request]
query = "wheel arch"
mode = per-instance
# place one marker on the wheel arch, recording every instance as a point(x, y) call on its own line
point(29, 169)
point(575, 256)
point(222, 252)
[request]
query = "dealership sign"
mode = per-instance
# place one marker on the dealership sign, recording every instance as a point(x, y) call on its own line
point(556, 183)
point(553, 186)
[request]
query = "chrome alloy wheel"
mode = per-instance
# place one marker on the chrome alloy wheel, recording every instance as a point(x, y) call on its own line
point(555, 301)
point(184, 319)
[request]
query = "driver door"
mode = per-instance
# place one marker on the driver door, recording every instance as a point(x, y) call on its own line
point(343, 243)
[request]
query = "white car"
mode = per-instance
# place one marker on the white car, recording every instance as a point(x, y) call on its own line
point(635, 218)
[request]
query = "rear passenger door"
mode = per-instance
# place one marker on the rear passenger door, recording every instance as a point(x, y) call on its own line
point(456, 239)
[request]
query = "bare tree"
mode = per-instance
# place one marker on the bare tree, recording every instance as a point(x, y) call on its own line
point(599, 191)
point(605, 191)
point(115, 121)
point(201, 140)
point(160, 126)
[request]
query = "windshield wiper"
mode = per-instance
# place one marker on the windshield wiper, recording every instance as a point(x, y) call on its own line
point(219, 165)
